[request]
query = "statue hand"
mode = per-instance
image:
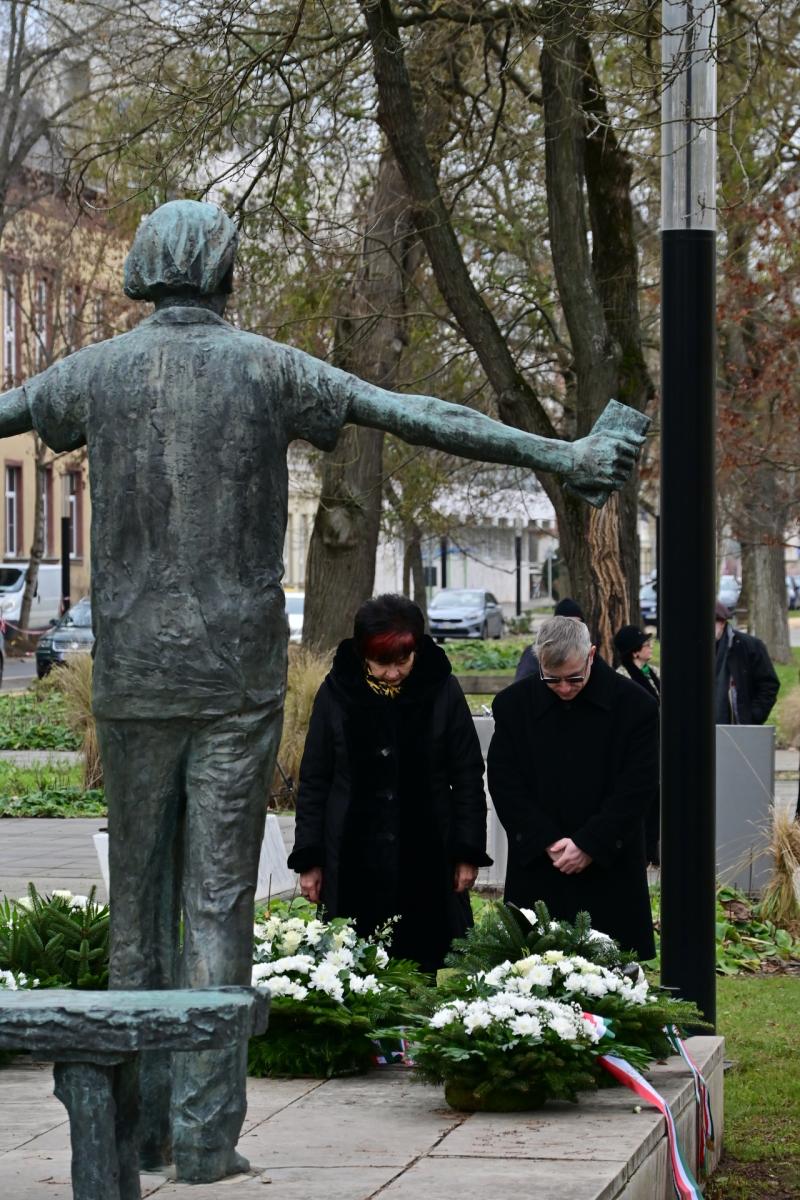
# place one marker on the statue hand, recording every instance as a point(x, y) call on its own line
point(604, 460)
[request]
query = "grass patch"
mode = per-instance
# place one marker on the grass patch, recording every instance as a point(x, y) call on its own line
point(21, 781)
point(758, 1018)
point(35, 720)
point(47, 791)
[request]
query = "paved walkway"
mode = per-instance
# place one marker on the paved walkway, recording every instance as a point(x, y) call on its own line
point(382, 1134)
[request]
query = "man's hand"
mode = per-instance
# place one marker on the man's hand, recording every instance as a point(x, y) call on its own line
point(464, 877)
point(311, 884)
point(568, 857)
point(604, 460)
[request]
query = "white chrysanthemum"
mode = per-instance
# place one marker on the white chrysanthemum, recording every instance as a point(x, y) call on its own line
point(500, 1008)
point(553, 956)
point(325, 978)
point(564, 1026)
point(79, 902)
point(281, 985)
point(442, 1017)
point(526, 1025)
point(296, 924)
point(301, 963)
point(381, 957)
point(497, 975)
point(8, 981)
point(594, 935)
point(25, 902)
point(61, 894)
point(346, 936)
point(340, 959)
point(365, 983)
point(476, 1018)
point(313, 932)
point(290, 940)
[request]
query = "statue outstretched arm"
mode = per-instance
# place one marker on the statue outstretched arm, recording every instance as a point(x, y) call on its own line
point(593, 466)
point(15, 416)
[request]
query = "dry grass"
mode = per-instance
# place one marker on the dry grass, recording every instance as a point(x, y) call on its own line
point(307, 669)
point(74, 681)
point(790, 717)
point(780, 901)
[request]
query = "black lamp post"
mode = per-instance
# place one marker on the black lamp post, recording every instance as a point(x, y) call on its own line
point(687, 575)
point(66, 542)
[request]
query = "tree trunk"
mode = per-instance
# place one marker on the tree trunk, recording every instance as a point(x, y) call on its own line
point(37, 545)
point(340, 571)
point(413, 574)
point(597, 354)
point(765, 569)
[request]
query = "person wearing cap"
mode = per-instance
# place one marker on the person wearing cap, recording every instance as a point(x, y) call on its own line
point(635, 651)
point(746, 683)
point(529, 663)
point(572, 767)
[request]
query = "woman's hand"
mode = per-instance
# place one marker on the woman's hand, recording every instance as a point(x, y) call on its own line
point(464, 877)
point(311, 884)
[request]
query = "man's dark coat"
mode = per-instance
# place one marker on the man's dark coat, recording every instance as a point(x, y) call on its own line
point(391, 797)
point(584, 769)
point(753, 676)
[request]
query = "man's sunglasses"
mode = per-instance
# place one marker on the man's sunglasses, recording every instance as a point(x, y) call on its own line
point(556, 679)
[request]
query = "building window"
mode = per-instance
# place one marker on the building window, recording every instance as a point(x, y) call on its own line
point(41, 323)
point(10, 331)
point(75, 494)
point(47, 510)
point(73, 318)
point(98, 318)
point(13, 511)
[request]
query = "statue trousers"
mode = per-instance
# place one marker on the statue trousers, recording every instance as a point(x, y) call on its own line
point(186, 811)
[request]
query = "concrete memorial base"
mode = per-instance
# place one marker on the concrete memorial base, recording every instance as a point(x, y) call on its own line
point(381, 1134)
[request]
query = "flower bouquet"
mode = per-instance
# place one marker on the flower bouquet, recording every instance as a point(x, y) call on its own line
point(514, 1032)
point(507, 1051)
point(332, 993)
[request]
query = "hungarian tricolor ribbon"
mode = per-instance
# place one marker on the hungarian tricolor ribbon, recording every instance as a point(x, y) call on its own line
point(684, 1182)
point(705, 1121)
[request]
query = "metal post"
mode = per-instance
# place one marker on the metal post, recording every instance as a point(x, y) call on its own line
point(443, 554)
point(686, 585)
point(66, 541)
point(518, 561)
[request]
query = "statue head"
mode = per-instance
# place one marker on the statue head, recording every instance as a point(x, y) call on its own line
point(184, 249)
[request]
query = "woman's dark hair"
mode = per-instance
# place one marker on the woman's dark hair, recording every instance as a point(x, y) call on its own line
point(388, 628)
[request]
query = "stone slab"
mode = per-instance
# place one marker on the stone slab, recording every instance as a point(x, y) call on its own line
point(61, 1021)
point(500, 1179)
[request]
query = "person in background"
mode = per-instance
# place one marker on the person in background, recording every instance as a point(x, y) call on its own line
point(529, 663)
point(747, 685)
point(635, 652)
point(572, 767)
point(391, 809)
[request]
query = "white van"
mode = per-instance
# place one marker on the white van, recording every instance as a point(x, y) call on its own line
point(46, 606)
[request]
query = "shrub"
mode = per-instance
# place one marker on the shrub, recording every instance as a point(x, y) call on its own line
point(55, 941)
point(307, 669)
point(74, 682)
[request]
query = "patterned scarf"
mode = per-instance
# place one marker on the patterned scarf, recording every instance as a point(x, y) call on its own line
point(381, 688)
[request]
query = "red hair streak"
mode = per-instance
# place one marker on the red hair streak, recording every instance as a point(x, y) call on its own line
point(390, 647)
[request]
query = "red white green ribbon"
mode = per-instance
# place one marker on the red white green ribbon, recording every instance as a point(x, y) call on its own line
point(684, 1182)
point(705, 1121)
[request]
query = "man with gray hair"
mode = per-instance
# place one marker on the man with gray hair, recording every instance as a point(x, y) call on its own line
point(572, 768)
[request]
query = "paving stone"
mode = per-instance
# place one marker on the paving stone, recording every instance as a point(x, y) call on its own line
point(503, 1179)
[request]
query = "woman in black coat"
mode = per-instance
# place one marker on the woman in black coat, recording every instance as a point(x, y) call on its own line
point(635, 651)
point(572, 766)
point(391, 811)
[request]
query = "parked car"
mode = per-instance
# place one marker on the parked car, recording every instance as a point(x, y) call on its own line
point(46, 604)
point(648, 603)
point(71, 635)
point(729, 591)
point(464, 612)
point(295, 604)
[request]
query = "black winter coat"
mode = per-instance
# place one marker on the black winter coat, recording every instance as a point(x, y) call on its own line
point(753, 676)
point(584, 769)
point(390, 798)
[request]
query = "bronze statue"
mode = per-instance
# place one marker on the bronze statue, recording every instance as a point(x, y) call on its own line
point(187, 421)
